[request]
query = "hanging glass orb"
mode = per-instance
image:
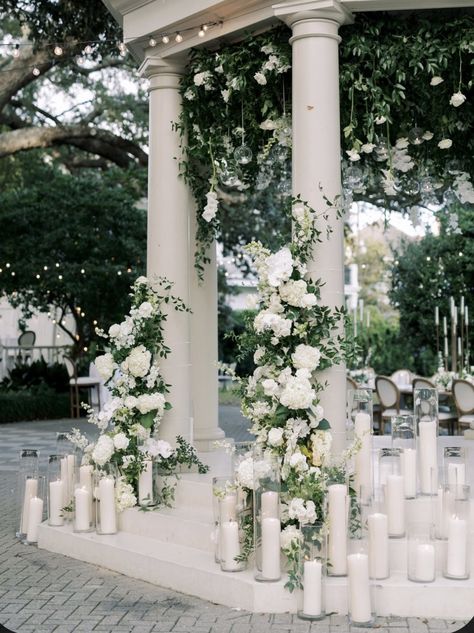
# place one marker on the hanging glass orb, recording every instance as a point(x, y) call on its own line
point(381, 153)
point(227, 174)
point(280, 152)
point(353, 177)
point(412, 188)
point(415, 136)
point(426, 186)
point(243, 155)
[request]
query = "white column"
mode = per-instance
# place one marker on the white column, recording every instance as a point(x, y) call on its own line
point(204, 351)
point(168, 248)
point(316, 161)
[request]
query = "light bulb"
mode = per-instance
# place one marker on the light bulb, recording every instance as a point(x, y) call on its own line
point(36, 71)
point(38, 276)
point(152, 42)
point(202, 32)
point(82, 271)
point(16, 52)
point(178, 38)
point(58, 51)
point(205, 27)
point(165, 39)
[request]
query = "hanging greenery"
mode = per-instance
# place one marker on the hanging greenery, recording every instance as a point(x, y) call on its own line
point(406, 121)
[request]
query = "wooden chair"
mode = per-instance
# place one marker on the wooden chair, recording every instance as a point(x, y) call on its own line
point(26, 341)
point(76, 383)
point(389, 398)
point(463, 392)
point(445, 415)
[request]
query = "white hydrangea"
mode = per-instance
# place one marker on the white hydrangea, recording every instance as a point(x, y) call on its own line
point(266, 320)
point(121, 441)
point(275, 437)
point(368, 148)
point(402, 142)
point(157, 448)
point(463, 188)
point(105, 366)
point(306, 357)
point(259, 354)
point(103, 450)
point(145, 310)
point(297, 393)
point(245, 473)
point(151, 402)
point(137, 362)
point(130, 402)
point(124, 496)
point(289, 537)
point(203, 78)
point(270, 387)
point(304, 512)
point(294, 292)
point(321, 442)
point(402, 161)
point(280, 267)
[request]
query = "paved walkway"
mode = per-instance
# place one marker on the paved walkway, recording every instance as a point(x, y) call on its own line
point(48, 593)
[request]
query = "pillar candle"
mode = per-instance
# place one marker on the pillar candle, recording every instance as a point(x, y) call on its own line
point(65, 480)
point(35, 516)
point(270, 505)
point(82, 508)
point(425, 562)
point(229, 545)
point(408, 468)
point(395, 505)
point(456, 474)
point(363, 458)
point(312, 587)
point(31, 490)
point(456, 556)
point(228, 508)
point(107, 511)
point(459, 346)
point(271, 548)
point(56, 493)
point(85, 477)
point(445, 326)
point(461, 307)
point(446, 347)
point(466, 316)
point(428, 456)
point(378, 546)
point(145, 483)
point(337, 512)
point(359, 588)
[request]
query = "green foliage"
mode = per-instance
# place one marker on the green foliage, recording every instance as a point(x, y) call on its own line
point(25, 376)
point(74, 243)
point(41, 404)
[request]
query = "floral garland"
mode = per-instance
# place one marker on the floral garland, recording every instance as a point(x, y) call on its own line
point(130, 420)
point(293, 337)
point(406, 127)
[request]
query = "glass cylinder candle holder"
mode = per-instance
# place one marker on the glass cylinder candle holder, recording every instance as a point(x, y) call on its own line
point(55, 491)
point(421, 551)
point(69, 458)
point(338, 507)
point(404, 439)
point(313, 566)
point(426, 418)
point(360, 431)
point(105, 483)
point(361, 601)
point(266, 511)
point(36, 512)
point(224, 505)
point(147, 481)
point(393, 487)
point(455, 465)
point(377, 531)
point(234, 534)
point(27, 487)
point(457, 512)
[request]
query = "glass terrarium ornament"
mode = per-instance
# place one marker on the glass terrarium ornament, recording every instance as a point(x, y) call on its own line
point(243, 154)
point(415, 135)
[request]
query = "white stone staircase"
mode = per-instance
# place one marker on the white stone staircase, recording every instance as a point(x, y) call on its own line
point(172, 548)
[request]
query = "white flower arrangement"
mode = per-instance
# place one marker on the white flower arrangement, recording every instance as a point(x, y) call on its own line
point(130, 420)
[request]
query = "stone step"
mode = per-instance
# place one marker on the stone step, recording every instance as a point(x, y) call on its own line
point(193, 571)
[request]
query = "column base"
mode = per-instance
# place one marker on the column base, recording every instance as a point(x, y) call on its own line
point(204, 438)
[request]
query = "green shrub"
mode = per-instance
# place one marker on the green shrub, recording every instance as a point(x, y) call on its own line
point(25, 376)
point(35, 404)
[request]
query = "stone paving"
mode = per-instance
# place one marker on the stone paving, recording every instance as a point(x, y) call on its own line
point(42, 592)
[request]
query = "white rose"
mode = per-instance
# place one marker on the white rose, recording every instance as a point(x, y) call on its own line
point(151, 402)
point(114, 330)
point(121, 441)
point(260, 78)
point(275, 437)
point(280, 267)
point(435, 81)
point(105, 366)
point(304, 512)
point(306, 357)
point(130, 402)
point(457, 99)
point(297, 393)
point(309, 300)
point(289, 536)
point(293, 292)
point(103, 450)
point(137, 362)
point(445, 143)
point(145, 310)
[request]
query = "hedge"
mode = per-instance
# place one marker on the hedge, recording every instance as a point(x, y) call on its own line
point(16, 406)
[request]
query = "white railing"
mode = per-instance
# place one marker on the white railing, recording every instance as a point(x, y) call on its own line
point(11, 354)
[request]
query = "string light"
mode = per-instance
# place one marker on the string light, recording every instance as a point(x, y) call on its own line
point(152, 42)
point(202, 32)
point(38, 276)
point(7, 265)
point(60, 277)
point(45, 268)
point(82, 271)
point(119, 272)
point(178, 38)
point(13, 273)
point(205, 27)
point(165, 39)
point(36, 71)
point(58, 51)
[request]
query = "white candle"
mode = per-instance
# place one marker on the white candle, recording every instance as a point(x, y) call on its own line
point(271, 548)
point(436, 315)
point(228, 508)
point(363, 458)
point(466, 316)
point(428, 456)
point(456, 556)
point(408, 468)
point(337, 513)
point(378, 546)
point(145, 483)
point(229, 545)
point(35, 516)
point(425, 562)
point(85, 477)
point(65, 480)
point(56, 494)
point(31, 490)
point(459, 346)
point(456, 474)
point(455, 317)
point(445, 326)
point(462, 304)
point(445, 347)
point(270, 505)
point(359, 588)
point(107, 511)
point(82, 519)
point(395, 505)
point(312, 587)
